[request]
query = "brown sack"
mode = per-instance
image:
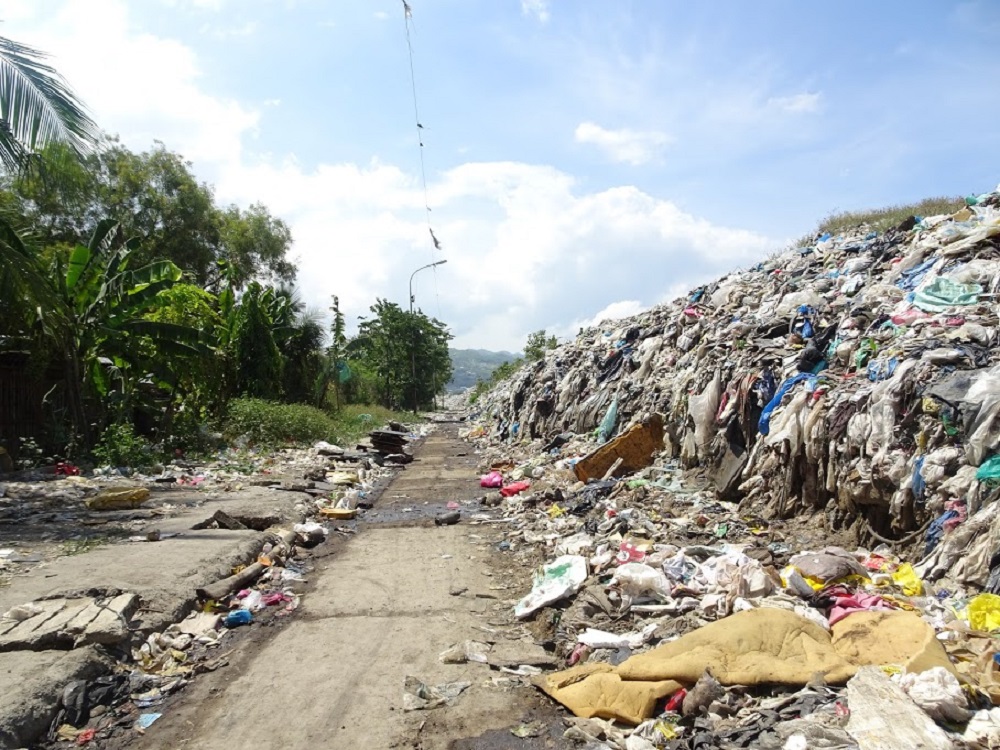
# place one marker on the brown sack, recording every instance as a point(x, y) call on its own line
point(757, 647)
point(884, 637)
point(591, 690)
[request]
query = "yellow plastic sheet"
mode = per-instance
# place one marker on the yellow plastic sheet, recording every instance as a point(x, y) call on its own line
point(907, 579)
point(984, 612)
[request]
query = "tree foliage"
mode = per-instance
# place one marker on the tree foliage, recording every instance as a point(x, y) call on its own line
point(153, 195)
point(538, 343)
point(406, 352)
point(257, 358)
point(37, 107)
point(162, 308)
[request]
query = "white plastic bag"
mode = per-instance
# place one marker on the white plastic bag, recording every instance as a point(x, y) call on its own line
point(638, 579)
point(938, 692)
point(556, 580)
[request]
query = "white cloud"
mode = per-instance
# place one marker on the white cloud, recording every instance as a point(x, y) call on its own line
point(211, 5)
point(625, 145)
point(614, 311)
point(537, 8)
point(381, 15)
point(156, 95)
point(796, 104)
point(527, 248)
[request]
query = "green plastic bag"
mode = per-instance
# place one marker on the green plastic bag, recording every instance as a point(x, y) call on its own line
point(989, 472)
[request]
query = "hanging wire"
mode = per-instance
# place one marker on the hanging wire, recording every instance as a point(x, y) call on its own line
point(436, 244)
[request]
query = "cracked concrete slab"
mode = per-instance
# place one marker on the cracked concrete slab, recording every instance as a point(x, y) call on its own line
point(68, 623)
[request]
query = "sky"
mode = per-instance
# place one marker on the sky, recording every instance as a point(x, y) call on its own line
point(582, 159)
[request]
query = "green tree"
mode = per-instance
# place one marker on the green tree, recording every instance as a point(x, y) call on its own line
point(37, 108)
point(108, 344)
point(257, 360)
point(256, 245)
point(302, 351)
point(335, 370)
point(195, 389)
point(407, 352)
point(538, 343)
point(154, 195)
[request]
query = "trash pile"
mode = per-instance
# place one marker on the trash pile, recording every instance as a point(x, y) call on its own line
point(149, 663)
point(765, 515)
point(41, 506)
point(133, 696)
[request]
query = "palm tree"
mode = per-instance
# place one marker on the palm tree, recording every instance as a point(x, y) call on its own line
point(37, 107)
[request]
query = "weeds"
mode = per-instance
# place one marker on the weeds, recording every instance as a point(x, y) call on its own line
point(267, 423)
point(80, 546)
point(882, 219)
point(120, 446)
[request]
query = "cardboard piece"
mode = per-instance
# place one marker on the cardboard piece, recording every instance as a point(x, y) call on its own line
point(636, 448)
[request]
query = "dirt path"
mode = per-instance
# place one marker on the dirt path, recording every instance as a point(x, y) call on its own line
point(381, 607)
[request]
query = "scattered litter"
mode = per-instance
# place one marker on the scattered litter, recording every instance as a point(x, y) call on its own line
point(418, 695)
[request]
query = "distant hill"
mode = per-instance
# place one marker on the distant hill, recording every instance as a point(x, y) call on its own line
point(474, 364)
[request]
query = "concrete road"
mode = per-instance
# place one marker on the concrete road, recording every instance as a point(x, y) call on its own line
point(379, 609)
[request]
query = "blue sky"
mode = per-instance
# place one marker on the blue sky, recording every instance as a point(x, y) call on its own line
point(583, 158)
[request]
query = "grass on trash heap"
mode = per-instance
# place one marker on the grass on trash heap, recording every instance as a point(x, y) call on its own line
point(883, 219)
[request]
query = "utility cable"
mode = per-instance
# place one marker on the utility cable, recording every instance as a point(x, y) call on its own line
point(435, 243)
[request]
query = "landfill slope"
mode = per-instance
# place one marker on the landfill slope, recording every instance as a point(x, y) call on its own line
point(856, 377)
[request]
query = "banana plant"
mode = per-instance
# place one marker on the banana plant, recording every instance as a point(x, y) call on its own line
point(109, 346)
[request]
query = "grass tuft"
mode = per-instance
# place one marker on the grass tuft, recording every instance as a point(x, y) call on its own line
point(882, 219)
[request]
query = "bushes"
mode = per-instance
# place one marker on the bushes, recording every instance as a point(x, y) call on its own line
point(269, 423)
point(120, 446)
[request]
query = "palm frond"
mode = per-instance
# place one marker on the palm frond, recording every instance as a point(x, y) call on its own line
point(37, 106)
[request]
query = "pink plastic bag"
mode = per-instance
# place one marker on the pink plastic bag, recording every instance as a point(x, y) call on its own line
point(492, 480)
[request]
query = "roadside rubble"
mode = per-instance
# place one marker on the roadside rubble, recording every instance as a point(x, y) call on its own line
point(144, 667)
point(766, 515)
point(45, 513)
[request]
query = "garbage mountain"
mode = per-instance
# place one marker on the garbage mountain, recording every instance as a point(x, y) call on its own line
point(857, 376)
point(689, 483)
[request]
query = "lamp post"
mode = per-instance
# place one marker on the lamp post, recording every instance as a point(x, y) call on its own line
point(413, 343)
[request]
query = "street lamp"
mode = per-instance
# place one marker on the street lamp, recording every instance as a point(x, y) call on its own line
point(413, 343)
point(429, 265)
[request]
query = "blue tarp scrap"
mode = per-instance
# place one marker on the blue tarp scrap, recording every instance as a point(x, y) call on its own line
point(764, 423)
point(918, 485)
point(882, 369)
point(911, 278)
point(936, 530)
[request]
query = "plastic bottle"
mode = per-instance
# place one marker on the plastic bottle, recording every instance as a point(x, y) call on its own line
point(237, 618)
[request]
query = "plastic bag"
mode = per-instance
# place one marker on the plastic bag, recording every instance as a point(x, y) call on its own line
point(702, 409)
point(556, 580)
point(989, 471)
point(513, 489)
point(907, 579)
point(639, 579)
point(983, 613)
point(493, 480)
point(938, 692)
point(607, 428)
